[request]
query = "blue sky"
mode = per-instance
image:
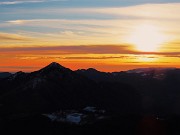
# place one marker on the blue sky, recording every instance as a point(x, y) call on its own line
point(80, 3)
point(22, 9)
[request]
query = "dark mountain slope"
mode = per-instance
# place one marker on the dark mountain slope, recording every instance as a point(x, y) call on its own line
point(4, 74)
point(56, 88)
point(158, 87)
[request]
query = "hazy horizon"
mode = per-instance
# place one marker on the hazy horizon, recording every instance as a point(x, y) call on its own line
point(38, 68)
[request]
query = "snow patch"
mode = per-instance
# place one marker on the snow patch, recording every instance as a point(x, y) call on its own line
point(90, 109)
point(74, 118)
point(52, 117)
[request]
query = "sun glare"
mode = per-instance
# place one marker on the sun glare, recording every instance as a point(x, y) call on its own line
point(147, 58)
point(147, 38)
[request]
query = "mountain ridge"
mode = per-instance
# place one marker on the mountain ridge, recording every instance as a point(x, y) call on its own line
point(55, 86)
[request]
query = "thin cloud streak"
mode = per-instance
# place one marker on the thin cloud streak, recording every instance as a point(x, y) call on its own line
point(97, 58)
point(75, 57)
point(83, 49)
point(144, 11)
point(16, 37)
point(84, 31)
point(28, 1)
point(18, 67)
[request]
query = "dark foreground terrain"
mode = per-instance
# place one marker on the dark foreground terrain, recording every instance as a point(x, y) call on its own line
point(57, 100)
point(126, 125)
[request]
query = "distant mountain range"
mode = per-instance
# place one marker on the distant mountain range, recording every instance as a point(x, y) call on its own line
point(159, 87)
point(55, 87)
point(61, 93)
point(146, 90)
point(4, 74)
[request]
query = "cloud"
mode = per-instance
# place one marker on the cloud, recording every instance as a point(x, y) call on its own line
point(26, 1)
point(18, 67)
point(120, 21)
point(173, 56)
point(12, 37)
point(144, 11)
point(92, 25)
point(95, 30)
point(35, 57)
point(98, 57)
point(82, 49)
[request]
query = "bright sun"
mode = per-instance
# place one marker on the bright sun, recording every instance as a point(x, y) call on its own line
point(147, 38)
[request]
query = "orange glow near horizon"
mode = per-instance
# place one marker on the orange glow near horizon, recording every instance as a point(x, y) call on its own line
point(107, 63)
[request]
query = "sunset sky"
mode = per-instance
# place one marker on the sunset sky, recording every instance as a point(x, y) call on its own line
point(109, 35)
